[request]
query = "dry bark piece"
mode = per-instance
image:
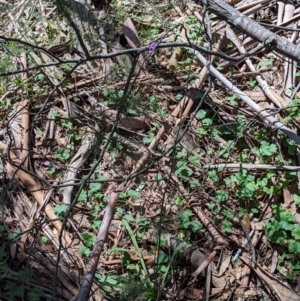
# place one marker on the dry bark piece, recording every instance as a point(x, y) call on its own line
point(83, 153)
point(34, 187)
point(205, 263)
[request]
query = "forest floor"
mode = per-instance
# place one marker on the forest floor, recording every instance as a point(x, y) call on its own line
point(120, 139)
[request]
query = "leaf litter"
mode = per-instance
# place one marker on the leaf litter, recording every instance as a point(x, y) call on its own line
point(193, 186)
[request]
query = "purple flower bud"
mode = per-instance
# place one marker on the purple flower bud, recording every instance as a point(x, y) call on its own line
point(152, 46)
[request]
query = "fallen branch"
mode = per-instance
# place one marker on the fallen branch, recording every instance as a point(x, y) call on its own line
point(253, 29)
point(265, 115)
point(252, 166)
point(93, 264)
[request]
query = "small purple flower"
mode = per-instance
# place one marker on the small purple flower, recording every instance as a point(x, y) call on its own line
point(152, 46)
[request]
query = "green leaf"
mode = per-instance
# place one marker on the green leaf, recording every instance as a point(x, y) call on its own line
point(233, 100)
point(39, 77)
point(201, 131)
point(284, 215)
point(133, 193)
point(119, 211)
point(242, 211)
point(101, 177)
point(128, 217)
point(120, 93)
point(254, 210)
point(35, 294)
point(294, 246)
point(84, 250)
point(214, 208)
point(292, 147)
point(201, 114)
point(89, 240)
point(274, 231)
point(161, 241)
point(273, 190)
point(122, 195)
point(51, 171)
point(163, 268)
point(296, 198)
point(184, 172)
point(161, 258)
point(184, 218)
point(181, 154)
point(181, 164)
point(262, 183)
point(229, 214)
point(296, 232)
point(255, 151)
point(265, 63)
point(207, 121)
point(194, 159)
point(142, 221)
point(149, 139)
point(157, 177)
point(221, 196)
point(213, 175)
point(94, 187)
point(267, 149)
point(4, 270)
point(286, 225)
point(109, 280)
point(25, 274)
point(194, 184)
point(126, 257)
point(195, 226)
point(82, 196)
point(13, 290)
point(3, 255)
point(66, 154)
point(227, 226)
point(14, 235)
point(44, 239)
point(58, 209)
point(179, 201)
point(270, 174)
point(96, 224)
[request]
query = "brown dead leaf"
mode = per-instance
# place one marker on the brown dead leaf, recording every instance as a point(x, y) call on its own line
point(225, 264)
point(283, 292)
point(132, 39)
